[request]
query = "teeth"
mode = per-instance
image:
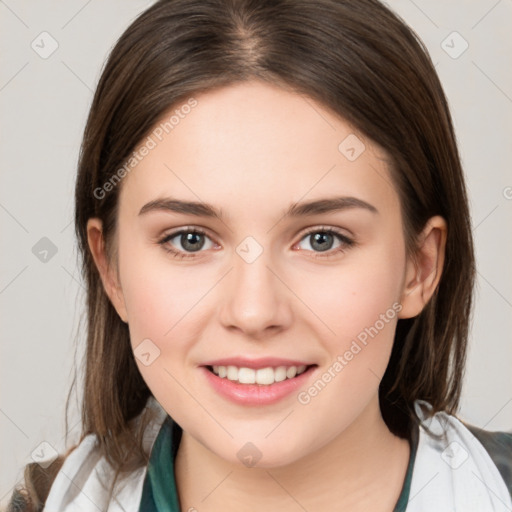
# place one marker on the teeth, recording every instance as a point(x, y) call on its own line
point(263, 376)
point(246, 376)
point(280, 374)
point(291, 372)
point(232, 373)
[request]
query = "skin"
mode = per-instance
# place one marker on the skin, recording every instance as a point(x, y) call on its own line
point(252, 149)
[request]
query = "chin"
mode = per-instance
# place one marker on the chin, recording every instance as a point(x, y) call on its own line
point(263, 455)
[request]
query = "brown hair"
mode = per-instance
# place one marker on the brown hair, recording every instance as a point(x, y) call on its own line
point(362, 62)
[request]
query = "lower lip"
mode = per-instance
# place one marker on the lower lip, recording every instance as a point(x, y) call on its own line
point(256, 394)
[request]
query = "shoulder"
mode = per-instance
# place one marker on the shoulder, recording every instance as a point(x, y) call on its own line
point(83, 481)
point(458, 466)
point(499, 447)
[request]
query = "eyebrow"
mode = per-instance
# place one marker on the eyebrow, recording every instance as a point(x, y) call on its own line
point(304, 209)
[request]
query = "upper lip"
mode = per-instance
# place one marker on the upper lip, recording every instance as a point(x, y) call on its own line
point(264, 362)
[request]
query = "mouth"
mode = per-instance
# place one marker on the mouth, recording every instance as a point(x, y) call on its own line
point(266, 376)
point(261, 386)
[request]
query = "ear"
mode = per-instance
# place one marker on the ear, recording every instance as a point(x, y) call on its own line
point(424, 268)
point(108, 276)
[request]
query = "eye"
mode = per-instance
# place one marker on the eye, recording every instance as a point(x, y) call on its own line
point(192, 240)
point(321, 239)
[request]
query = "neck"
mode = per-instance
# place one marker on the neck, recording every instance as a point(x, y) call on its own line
point(363, 466)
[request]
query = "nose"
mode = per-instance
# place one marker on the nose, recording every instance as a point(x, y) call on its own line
point(255, 299)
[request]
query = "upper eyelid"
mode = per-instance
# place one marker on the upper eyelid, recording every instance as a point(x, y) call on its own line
point(321, 228)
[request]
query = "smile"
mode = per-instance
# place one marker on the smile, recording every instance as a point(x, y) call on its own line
point(263, 376)
point(262, 386)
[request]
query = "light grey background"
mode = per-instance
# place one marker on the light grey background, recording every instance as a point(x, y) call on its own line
point(43, 106)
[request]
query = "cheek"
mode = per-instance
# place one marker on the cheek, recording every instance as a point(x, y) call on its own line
point(166, 306)
point(159, 294)
point(159, 301)
point(360, 304)
point(356, 295)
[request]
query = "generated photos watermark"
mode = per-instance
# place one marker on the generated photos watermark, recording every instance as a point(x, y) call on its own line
point(150, 143)
point(361, 340)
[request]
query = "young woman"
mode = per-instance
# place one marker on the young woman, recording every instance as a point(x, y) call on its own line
point(277, 250)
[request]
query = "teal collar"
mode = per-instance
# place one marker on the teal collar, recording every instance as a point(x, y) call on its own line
point(159, 491)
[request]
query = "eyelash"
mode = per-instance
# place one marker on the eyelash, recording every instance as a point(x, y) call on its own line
point(346, 242)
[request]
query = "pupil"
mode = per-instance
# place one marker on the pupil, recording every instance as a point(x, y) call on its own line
point(321, 238)
point(189, 241)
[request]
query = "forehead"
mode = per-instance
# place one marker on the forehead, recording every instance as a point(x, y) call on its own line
point(256, 144)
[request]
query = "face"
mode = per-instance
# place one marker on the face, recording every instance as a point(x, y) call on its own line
point(266, 282)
